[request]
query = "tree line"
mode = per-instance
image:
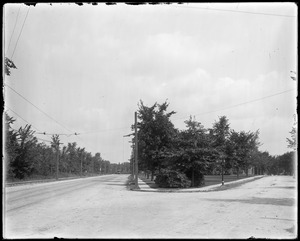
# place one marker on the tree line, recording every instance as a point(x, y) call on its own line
point(26, 158)
point(181, 158)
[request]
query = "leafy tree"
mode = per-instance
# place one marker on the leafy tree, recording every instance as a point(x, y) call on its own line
point(196, 153)
point(155, 135)
point(72, 162)
point(219, 135)
point(11, 146)
point(55, 145)
point(23, 165)
point(97, 162)
point(243, 145)
point(44, 161)
point(292, 143)
point(286, 163)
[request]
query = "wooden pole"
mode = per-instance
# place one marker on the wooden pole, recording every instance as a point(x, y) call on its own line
point(136, 151)
point(57, 162)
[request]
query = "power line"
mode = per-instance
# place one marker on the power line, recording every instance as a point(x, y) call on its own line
point(60, 134)
point(104, 130)
point(20, 32)
point(236, 11)
point(42, 133)
point(22, 118)
point(13, 29)
point(43, 140)
point(233, 106)
point(37, 107)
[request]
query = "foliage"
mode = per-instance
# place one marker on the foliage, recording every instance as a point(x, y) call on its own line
point(11, 145)
point(286, 163)
point(25, 153)
point(168, 178)
point(292, 143)
point(8, 65)
point(155, 135)
point(242, 145)
point(25, 158)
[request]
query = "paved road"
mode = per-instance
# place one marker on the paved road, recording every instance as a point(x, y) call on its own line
point(22, 196)
point(102, 207)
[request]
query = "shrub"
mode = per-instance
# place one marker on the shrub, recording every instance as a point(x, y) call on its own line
point(172, 179)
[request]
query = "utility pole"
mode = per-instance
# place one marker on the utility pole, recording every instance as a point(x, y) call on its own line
point(81, 166)
point(57, 169)
point(131, 167)
point(55, 145)
point(136, 151)
point(222, 164)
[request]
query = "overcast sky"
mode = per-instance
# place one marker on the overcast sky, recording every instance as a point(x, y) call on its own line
point(88, 66)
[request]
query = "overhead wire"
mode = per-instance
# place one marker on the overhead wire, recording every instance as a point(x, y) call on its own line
point(236, 11)
point(43, 140)
point(244, 103)
point(22, 118)
point(13, 29)
point(104, 130)
point(60, 134)
point(37, 107)
point(20, 32)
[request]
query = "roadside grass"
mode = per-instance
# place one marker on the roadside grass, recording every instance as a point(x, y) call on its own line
point(217, 179)
point(234, 184)
point(242, 180)
point(38, 179)
point(209, 181)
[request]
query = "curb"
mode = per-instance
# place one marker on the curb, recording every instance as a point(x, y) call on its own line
point(212, 188)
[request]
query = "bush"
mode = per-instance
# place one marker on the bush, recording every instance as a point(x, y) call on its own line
point(172, 179)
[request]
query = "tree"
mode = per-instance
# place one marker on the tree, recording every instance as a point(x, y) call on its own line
point(292, 143)
point(286, 163)
point(72, 164)
point(219, 135)
point(44, 162)
point(55, 145)
point(243, 144)
point(196, 154)
point(11, 146)
point(155, 135)
point(23, 165)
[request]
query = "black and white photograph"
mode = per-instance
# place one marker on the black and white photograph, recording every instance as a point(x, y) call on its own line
point(150, 120)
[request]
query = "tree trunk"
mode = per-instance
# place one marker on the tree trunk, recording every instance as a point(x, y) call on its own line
point(152, 174)
point(237, 172)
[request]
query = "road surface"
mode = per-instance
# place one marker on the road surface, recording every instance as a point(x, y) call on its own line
point(102, 207)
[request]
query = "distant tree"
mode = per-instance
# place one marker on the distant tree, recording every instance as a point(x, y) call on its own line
point(243, 145)
point(82, 162)
point(219, 135)
point(72, 163)
point(97, 162)
point(286, 163)
point(55, 142)
point(44, 161)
